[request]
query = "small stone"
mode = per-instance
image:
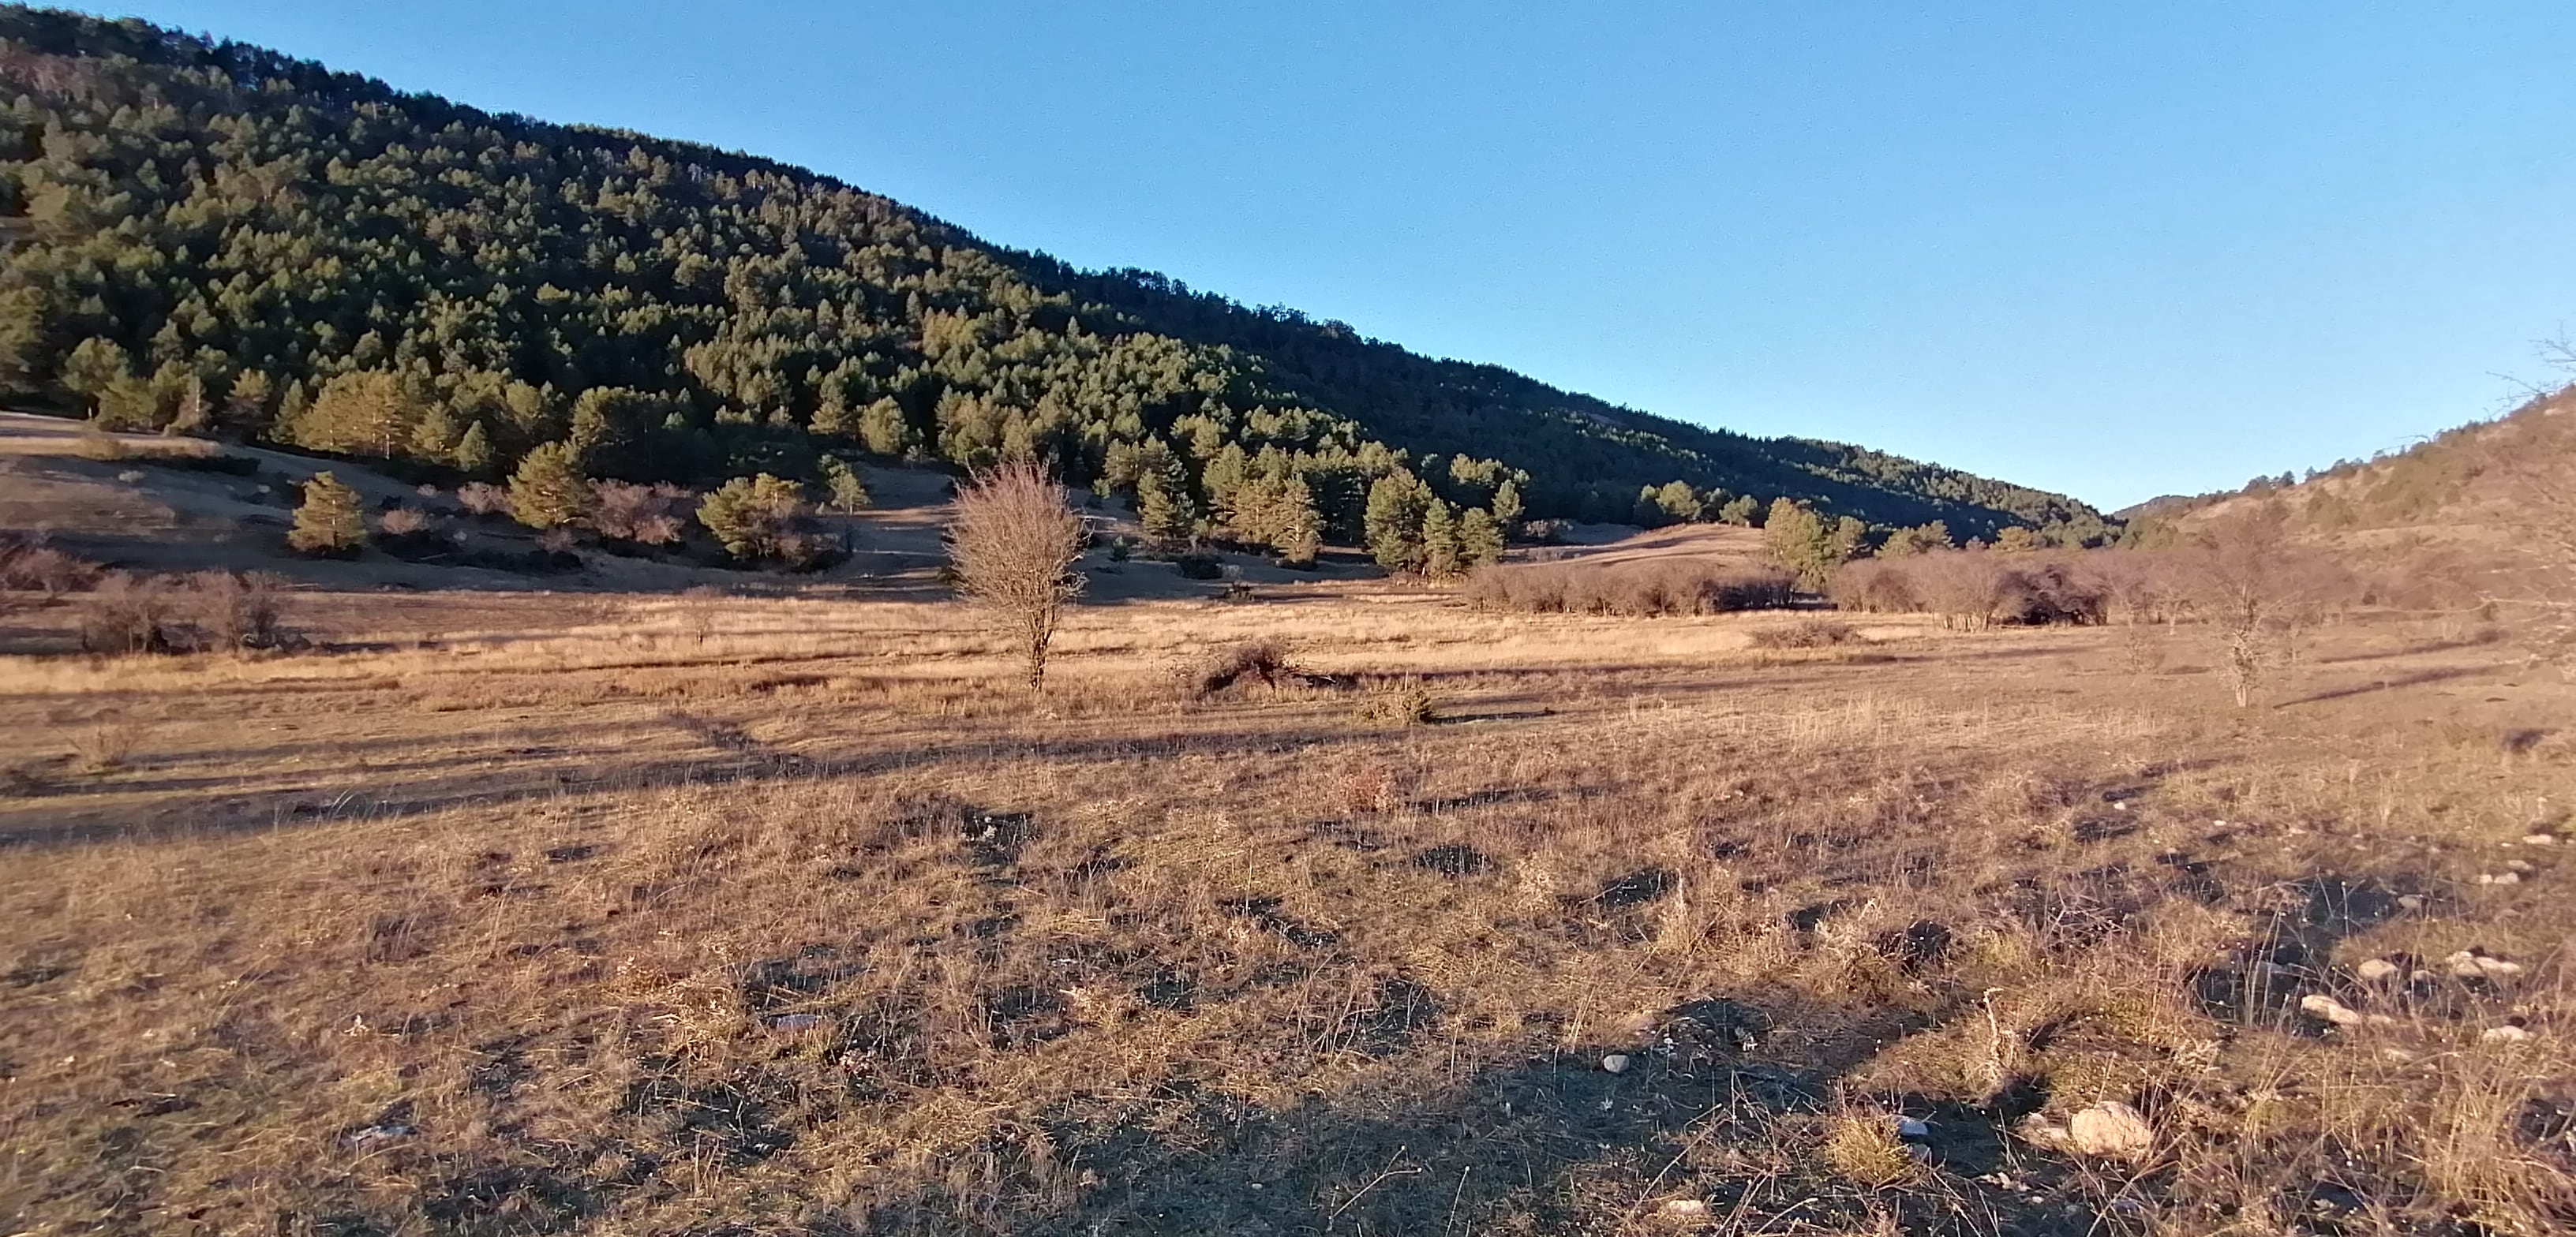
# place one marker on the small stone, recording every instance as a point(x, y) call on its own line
point(2110, 1130)
point(1919, 1153)
point(2399, 1055)
point(1615, 1063)
point(2506, 1034)
point(795, 1022)
point(2373, 970)
point(1911, 1127)
point(2499, 878)
point(2498, 968)
point(2119, 805)
point(2325, 1008)
point(2410, 901)
point(380, 1133)
point(1684, 1208)
point(2540, 839)
point(2521, 867)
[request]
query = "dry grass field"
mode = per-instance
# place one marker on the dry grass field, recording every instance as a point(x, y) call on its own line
point(506, 913)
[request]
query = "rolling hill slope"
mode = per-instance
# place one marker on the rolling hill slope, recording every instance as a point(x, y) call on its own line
point(220, 234)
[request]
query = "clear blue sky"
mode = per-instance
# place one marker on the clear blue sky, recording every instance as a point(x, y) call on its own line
point(2116, 250)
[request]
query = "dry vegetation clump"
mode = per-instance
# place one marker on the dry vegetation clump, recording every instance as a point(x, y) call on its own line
point(1634, 590)
point(1264, 659)
point(129, 615)
point(27, 564)
point(811, 929)
point(1973, 590)
point(1814, 633)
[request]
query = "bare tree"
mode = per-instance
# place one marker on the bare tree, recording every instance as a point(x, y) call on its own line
point(1013, 540)
point(2258, 589)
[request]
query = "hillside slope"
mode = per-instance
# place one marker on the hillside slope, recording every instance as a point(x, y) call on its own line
point(218, 233)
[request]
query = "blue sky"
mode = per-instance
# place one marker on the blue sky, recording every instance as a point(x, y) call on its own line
point(2115, 250)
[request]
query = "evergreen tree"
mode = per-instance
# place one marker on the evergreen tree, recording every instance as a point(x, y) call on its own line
point(246, 405)
point(1507, 508)
point(191, 414)
point(883, 429)
point(1397, 504)
point(1741, 511)
point(1801, 541)
point(1298, 531)
point(833, 418)
point(548, 490)
point(328, 522)
point(1163, 502)
point(1920, 539)
point(1440, 553)
point(1677, 502)
point(757, 517)
point(848, 492)
point(474, 450)
point(1480, 538)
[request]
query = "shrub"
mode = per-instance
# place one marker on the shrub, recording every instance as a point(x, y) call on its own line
point(404, 521)
point(1639, 590)
point(128, 615)
point(483, 498)
point(238, 610)
point(1265, 659)
point(1399, 702)
point(1199, 565)
point(643, 514)
point(1805, 634)
point(328, 523)
point(27, 563)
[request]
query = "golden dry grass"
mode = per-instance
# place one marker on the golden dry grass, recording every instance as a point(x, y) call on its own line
point(699, 914)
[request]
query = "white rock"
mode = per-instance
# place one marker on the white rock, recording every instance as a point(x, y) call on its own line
point(2373, 970)
point(1684, 1208)
point(2506, 1034)
point(2498, 968)
point(2410, 901)
point(2110, 1130)
point(1909, 1127)
point(2499, 878)
point(2463, 965)
point(2521, 867)
point(796, 1022)
point(2399, 1055)
point(1615, 1063)
point(2325, 1008)
point(2540, 839)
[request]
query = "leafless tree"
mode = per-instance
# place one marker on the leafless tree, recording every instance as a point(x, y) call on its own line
point(1012, 541)
point(2258, 589)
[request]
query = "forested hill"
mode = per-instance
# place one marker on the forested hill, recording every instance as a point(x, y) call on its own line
point(220, 236)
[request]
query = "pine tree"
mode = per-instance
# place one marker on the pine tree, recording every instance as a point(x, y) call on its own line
point(246, 405)
point(474, 450)
point(848, 492)
point(1299, 530)
point(833, 418)
point(1480, 538)
point(1677, 502)
point(434, 436)
point(192, 414)
point(328, 522)
point(548, 490)
point(1740, 511)
point(1393, 523)
point(1163, 500)
point(884, 430)
point(1507, 508)
point(1801, 541)
point(1440, 559)
point(757, 517)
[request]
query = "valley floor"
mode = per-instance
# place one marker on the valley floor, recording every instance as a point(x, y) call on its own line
point(527, 913)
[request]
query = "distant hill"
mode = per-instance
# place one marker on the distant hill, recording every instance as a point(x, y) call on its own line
point(258, 246)
point(2466, 483)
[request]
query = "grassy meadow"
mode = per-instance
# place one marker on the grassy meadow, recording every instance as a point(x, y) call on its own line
point(619, 913)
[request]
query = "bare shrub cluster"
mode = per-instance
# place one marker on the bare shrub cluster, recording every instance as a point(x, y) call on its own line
point(1012, 543)
point(1974, 589)
point(1637, 590)
point(1265, 659)
point(643, 514)
point(1814, 633)
point(130, 615)
point(27, 564)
